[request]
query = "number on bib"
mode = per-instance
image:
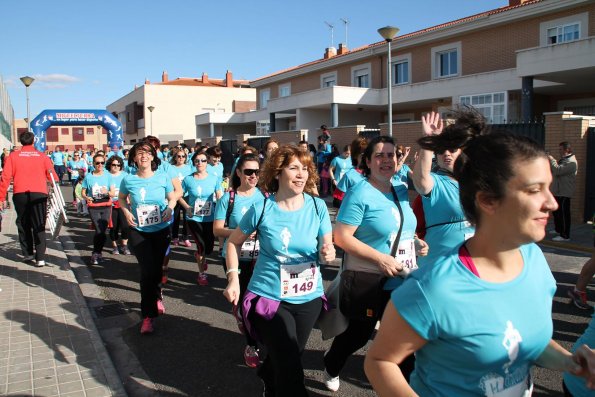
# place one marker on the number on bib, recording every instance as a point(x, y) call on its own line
point(298, 280)
point(203, 208)
point(148, 215)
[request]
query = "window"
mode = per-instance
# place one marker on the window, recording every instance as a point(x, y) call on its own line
point(51, 135)
point(361, 76)
point(446, 60)
point(263, 127)
point(492, 106)
point(400, 72)
point(265, 95)
point(64, 131)
point(78, 134)
point(328, 80)
point(564, 33)
point(90, 131)
point(284, 90)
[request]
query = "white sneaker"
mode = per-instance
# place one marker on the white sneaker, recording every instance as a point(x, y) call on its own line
point(560, 238)
point(552, 232)
point(40, 264)
point(331, 383)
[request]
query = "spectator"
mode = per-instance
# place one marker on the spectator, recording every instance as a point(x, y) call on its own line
point(564, 172)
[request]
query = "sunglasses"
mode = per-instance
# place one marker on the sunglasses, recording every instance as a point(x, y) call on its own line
point(249, 171)
point(399, 154)
point(116, 165)
point(100, 163)
point(181, 157)
point(198, 161)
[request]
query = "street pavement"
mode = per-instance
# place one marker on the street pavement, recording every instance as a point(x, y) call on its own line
point(197, 348)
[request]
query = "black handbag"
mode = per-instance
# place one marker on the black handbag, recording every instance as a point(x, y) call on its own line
point(361, 295)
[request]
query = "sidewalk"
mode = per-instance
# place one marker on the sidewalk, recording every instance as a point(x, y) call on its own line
point(581, 238)
point(49, 345)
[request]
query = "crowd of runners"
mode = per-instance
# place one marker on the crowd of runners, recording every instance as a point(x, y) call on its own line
point(461, 290)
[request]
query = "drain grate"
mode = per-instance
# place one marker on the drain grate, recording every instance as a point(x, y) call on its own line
point(114, 309)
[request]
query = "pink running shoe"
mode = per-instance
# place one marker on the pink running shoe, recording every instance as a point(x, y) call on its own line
point(187, 243)
point(251, 357)
point(160, 307)
point(147, 326)
point(175, 242)
point(205, 265)
point(202, 279)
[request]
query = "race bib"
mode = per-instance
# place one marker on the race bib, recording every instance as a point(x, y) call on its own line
point(406, 254)
point(148, 215)
point(74, 174)
point(203, 208)
point(250, 249)
point(298, 280)
point(96, 192)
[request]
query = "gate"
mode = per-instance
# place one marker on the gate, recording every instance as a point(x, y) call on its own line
point(369, 133)
point(533, 130)
point(258, 142)
point(590, 176)
point(229, 148)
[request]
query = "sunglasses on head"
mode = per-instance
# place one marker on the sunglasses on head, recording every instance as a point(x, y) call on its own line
point(250, 171)
point(198, 161)
point(100, 163)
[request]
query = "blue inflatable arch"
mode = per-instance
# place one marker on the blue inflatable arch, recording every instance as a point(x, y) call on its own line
point(50, 117)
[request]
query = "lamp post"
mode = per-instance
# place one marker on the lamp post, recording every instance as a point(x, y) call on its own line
point(388, 33)
point(27, 81)
point(151, 108)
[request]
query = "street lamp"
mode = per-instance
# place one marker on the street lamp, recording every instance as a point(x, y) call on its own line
point(151, 108)
point(388, 33)
point(27, 81)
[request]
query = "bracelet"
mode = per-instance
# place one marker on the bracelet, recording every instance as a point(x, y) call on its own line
point(232, 271)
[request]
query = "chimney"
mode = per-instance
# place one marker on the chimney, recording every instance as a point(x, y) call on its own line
point(342, 49)
point(164, 77)
point(147, 81)
point(205, 78)
point(228, 79)
point(512, 3)
point(330, 52)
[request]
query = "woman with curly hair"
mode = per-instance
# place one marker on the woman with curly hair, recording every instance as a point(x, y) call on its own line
point(284, 296)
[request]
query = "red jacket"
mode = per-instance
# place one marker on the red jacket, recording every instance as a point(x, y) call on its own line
point(29, 169)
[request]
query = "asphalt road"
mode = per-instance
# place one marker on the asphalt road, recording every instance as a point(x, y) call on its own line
point(197, 348)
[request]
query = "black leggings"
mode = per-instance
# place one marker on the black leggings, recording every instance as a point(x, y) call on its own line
point(149, 249)
point(31, 209)
point(100, 217)
point(355, 337)
point(119, 223)
point(285, 337)
point(203, 236)
point(175, 228)
point(562, 216)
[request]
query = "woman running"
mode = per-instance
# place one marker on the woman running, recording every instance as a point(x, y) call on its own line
point(180, 170)
point(119, 226)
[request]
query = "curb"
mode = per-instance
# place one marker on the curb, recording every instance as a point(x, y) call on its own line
point(566, 246)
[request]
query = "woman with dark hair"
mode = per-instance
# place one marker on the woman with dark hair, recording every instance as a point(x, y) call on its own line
point(215, 166)
point(228, 214)
point(269, 148)
point(152, 200)
point(284, 296)
point(97, 190)
point(201, 189)
point(179, 170)
point(446, 224)
point(340, 165)
point(118, 221)
point(354, 174)
point(376, 228)
point(481, 317)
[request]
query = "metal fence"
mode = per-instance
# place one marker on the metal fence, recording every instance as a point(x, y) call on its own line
point(533, 130)
point(229, 148)
point(590, 176)
point(369, 133)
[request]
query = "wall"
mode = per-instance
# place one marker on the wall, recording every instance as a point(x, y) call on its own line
point(289, 137)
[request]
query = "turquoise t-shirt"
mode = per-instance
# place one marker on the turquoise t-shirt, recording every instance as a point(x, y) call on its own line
point(94, 184)
point(341, 166)
point(179, 172)
point(576, 385)
point(148, 200)
point(216, 170)
point(201, 196)
point(482, 338)
point(288, 250)
point(116, 182)
point(442, 207)
point(76, 166)
point(240, 207)
point(350, 179)
point(57, 158)
point(402, 176)
point(377, 219)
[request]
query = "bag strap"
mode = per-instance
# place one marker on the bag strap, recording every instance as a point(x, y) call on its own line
point(396, 242)
point(232, 199)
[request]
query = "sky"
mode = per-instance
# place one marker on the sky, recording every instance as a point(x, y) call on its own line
point(87, 54)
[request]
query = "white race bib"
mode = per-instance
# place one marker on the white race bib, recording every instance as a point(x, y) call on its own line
point(298, 280)
point(406, 254)
point(96, 192)
point(148, 215)
point(250, 249)
point(74, 174)
point(203, 208)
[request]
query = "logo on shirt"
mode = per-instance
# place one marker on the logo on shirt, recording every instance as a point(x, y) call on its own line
point(285, 237)
point(199, 191)
point(143, 193)
point(512, 340)
point(244, 210)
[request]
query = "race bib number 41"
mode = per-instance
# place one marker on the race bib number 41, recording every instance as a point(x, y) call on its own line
point(298, 280)
point(406, 254)
point(148, 215)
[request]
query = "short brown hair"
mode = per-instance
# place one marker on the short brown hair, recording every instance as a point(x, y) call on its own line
point(281, 159)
